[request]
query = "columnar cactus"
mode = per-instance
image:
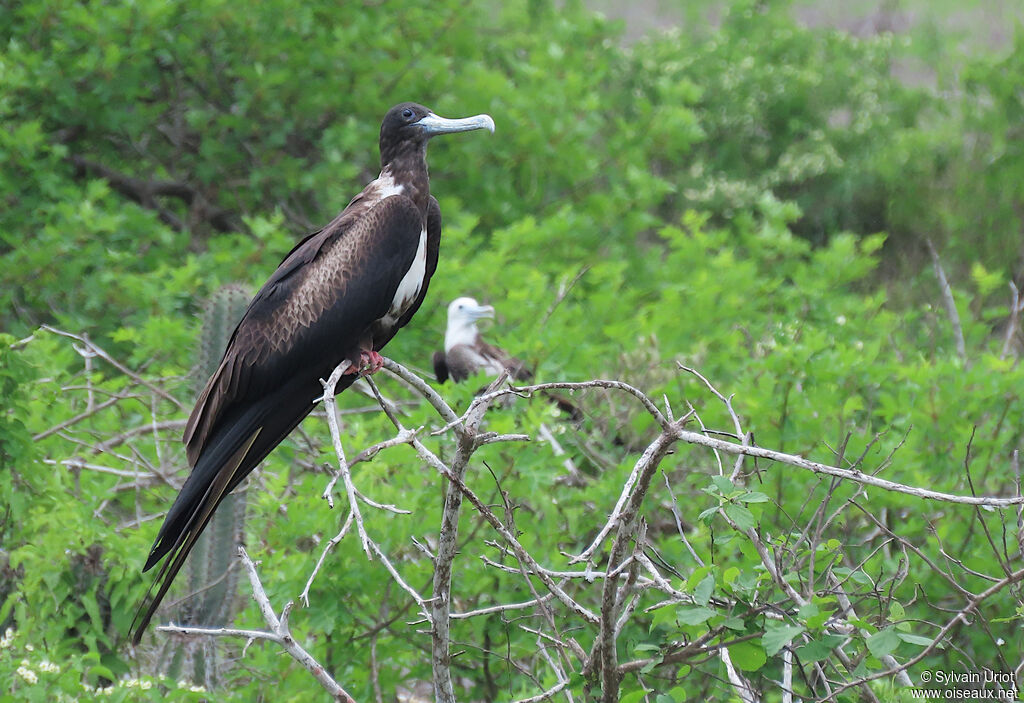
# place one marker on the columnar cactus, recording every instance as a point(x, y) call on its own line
point(212, 571)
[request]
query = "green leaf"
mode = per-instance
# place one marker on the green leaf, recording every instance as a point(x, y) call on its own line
point(748, 655)
point(743, 518)
point(635, 696)
point(816, 621)
point(100, 670)
point(883, 642)
point(808, 610)
point(678, 694)
point(914, 639)
point(819, 649)
point(734, 622)
point(723, 484)
point(702, 593)
point(663, 615)
point(896, 611)
point(92, 608)
point(778, 636)
point(694, 615)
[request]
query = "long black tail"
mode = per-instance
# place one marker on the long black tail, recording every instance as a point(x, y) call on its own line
point(246, 437)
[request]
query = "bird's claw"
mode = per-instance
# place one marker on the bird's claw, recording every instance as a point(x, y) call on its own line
point(370, 362)
point(375, 363)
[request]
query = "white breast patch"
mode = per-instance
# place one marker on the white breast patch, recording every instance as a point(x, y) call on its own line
point(386, 186)
point(411, 284)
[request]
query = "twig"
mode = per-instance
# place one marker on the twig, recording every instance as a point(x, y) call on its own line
point(848, 474)
point(331, 544)
point(624, 519)
point(117, 365)
point(343, 470)
point(1013, 321)
point(502, 608)
point(278, 633)
point(727, 402)
point(744, 690)
point(960, 617)
point(421, 387)
point(447, 547)
point(77, 418)
point(787, 675)
point(751, 450)
point(949, 302)
point(651, 456)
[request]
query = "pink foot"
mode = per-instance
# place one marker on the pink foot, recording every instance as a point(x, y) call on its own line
point(370, 362)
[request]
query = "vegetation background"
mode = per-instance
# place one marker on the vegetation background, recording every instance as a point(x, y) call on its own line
point(750, 193)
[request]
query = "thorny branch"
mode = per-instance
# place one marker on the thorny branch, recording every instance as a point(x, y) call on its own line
point(578, 614)
point(278, 632)
point(619, 578)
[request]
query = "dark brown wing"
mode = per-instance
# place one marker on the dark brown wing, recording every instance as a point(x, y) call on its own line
point(462, 362)
point(440, 367)
point(517, 368)
point(314, 311)
point(433, 253)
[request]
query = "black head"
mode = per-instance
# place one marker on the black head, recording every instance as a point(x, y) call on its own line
point(407, 127)
point(398, 123)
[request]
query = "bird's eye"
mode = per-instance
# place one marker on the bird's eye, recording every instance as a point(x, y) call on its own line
point(407, 113)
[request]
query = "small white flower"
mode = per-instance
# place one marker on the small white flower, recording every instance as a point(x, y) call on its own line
point(49, 667)
point(29, 648)
point(197, 689)
point(841, 320)
point(145, 685)
point(27, 674)
point(8, 637)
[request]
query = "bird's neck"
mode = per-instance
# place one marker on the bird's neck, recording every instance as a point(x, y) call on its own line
point(460, 332)
point(408, 169)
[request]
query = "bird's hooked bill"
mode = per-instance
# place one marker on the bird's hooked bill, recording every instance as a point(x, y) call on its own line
point(480, 311)
point(434, 124)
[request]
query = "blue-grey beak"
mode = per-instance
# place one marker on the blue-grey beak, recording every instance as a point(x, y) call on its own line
point(433, 124)
point(480, 312)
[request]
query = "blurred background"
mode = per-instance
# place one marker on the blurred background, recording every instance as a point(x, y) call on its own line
point(816, 204)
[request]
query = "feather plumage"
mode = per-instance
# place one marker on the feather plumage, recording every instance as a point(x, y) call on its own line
point(341, 293)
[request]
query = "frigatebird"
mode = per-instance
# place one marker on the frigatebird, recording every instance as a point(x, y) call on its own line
point(341, 293)
point(466, 353)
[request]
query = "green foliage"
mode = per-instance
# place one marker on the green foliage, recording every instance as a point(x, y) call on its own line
point(716, 201)
point(35, 676)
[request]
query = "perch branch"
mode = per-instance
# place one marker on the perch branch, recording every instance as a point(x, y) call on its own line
point(278, 633)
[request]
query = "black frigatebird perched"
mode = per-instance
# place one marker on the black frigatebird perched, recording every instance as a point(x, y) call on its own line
point(341, 293)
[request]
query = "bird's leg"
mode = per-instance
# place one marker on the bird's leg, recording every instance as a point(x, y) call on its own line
point(368, 362)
